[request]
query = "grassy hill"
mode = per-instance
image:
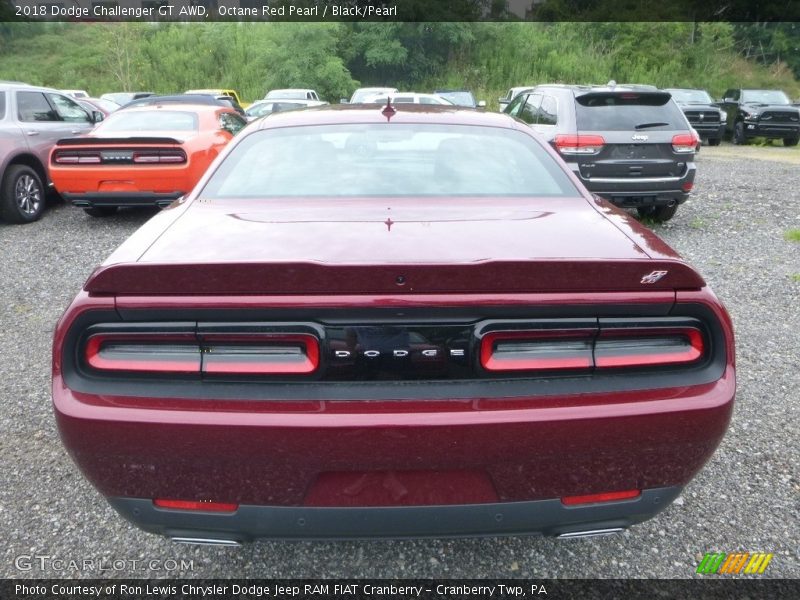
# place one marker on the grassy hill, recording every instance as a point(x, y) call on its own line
point(335, 58)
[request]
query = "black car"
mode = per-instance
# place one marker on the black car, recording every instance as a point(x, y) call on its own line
point(631, 145)
point(761, 113)
point(705, 115)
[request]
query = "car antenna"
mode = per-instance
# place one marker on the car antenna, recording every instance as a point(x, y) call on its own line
point(388, 110)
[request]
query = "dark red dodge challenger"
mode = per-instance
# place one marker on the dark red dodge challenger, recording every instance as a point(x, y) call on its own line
point(391, 322)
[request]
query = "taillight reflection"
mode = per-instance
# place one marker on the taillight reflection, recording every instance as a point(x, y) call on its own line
point(262, 355)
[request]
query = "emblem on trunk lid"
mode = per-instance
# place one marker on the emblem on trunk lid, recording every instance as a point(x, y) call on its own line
point(640, 138)
point(653, 277)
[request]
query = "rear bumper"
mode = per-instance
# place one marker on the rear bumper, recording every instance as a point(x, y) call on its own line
point(542, 517)
point(100, 199)
point(644, 191)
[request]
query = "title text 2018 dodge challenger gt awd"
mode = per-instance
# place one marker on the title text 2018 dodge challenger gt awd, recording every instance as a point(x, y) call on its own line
point(392, 322)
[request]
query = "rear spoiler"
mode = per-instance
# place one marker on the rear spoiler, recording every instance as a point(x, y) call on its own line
point(652, 97)
point(133, 141)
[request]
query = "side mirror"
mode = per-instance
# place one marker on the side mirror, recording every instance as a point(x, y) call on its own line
point(344, 101)
point(727, 100)
point(501, 99)
point(482, 104)
point(97, 116)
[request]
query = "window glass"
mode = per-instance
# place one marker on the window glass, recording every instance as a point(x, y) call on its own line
point(530, 110)
point(2, 104)
point(33, 106)
point(404, 160)
point(231, 123)
point(69, 110)
point(548, 112)
point(628, 111)
point(516, 105)
point(150, 120)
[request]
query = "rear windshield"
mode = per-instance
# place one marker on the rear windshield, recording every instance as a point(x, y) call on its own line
point(396, 160)
point(150, 120)
point(691, 96)
point(628, 111)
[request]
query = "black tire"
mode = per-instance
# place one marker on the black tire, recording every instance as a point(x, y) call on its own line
point(100, 211)
point(664, 213)
point(714, 141)
point(790, 141)
point(22, 195)
point(739, 137)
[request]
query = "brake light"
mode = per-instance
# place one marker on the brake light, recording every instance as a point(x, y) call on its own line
point(168, 353)
point(76, 158)
point(604, 497)
point(684, 143)
point(198, 505)
point(159, 157)
point(536, 350)
point(645, 347)
point(251, 354)
point(261, 354)
point(579, 144)
point(606, 348)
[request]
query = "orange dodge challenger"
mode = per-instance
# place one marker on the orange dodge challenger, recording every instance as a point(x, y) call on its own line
point(146, 156)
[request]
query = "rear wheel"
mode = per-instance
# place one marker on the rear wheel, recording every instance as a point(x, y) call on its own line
point(21, 195)
point(738, 134)
point(714, 141)
point(100, 211)
point(790, 141)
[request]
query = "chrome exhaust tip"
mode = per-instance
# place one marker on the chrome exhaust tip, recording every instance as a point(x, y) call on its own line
point(591, 533)
point(205, 541)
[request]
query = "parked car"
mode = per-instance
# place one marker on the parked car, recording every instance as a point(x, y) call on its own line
point(630, 145)
point(32, 119)
point(292, 94)
point(123, 98)
point(461, 98)
point(761, 113)
point(143, 156)
point(206, 99)
point(489, 350)
point(511, 94)
point(362, 93)
point(263, 108)
point(703, 114)
point(76, 93)
point(408, 98)
point(104, 107)
point(221, 92)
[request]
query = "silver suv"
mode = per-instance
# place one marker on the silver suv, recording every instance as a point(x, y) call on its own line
point(32, 120)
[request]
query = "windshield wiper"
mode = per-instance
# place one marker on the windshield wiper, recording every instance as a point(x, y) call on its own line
point(648, 125)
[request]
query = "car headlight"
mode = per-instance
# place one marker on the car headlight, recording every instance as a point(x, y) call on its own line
point(723, 116)
point(750, 115)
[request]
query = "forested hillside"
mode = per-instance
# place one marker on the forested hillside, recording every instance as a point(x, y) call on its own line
point(335, 58)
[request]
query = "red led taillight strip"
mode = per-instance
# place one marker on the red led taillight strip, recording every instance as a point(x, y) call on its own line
point(531, 350)
point(168, 353)
point(251, 354)
point(196, 505)
point(542, 350)
point(261, 354)
point(646, 347)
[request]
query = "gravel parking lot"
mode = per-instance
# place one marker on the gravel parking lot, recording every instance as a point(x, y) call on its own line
point(746, 499)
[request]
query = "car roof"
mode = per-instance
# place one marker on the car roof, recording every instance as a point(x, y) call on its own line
point(338, 114)
point(199, 108)
point(20, 84)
